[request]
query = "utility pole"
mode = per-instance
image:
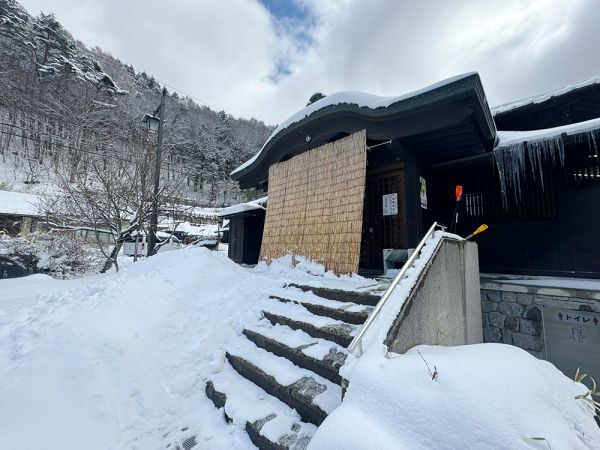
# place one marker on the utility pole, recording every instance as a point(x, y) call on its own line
point(154, 215)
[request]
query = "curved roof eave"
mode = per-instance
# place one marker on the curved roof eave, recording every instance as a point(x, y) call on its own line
point(369, 107)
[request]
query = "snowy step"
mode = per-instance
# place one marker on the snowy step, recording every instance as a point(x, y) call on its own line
point(317, 355)
point(270, 423)
point(339, 313)
point(308, 297)
point(313, 396)
point(298, 318)
point(363, 298)
point(337, 335)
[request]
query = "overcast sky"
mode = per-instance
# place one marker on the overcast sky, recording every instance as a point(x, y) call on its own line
point(264, 58)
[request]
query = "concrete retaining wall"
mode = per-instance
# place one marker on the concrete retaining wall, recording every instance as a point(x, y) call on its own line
point(444, 308)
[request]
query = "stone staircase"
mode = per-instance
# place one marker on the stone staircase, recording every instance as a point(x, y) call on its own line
point(282, 379)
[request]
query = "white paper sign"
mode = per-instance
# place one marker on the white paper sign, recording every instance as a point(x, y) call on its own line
point(423, 191)
point(390, 204)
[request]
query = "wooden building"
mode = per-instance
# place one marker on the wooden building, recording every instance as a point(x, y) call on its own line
point(245, 230)
point(19, 212)
point(352, 174)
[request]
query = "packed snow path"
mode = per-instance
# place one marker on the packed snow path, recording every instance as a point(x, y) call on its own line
point(281, 380)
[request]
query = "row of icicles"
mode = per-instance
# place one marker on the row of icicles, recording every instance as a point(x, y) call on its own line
point(511, 160)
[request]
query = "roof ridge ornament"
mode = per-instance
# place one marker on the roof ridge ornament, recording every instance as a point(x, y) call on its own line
point(315, 97)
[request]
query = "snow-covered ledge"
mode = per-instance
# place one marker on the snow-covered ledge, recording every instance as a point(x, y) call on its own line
point(553, 286)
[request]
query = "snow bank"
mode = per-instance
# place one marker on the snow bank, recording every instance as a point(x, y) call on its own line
point(121, 360)
point(485, 396)
point(360, 99)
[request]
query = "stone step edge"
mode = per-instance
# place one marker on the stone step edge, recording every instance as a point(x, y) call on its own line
point(362, 298)
point(308, 411)
point(355, 318)
point(252, 429)
point(296, 356)
point(324, 333)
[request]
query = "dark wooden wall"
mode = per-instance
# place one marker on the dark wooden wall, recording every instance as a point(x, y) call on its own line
point(553, 231)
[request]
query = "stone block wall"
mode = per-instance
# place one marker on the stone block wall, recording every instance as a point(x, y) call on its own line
point(512, 318)
point(512, 314)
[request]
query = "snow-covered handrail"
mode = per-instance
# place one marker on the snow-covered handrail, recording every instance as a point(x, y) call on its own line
point(356, 344)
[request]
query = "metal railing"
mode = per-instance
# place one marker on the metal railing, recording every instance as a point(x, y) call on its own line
point(356, 344)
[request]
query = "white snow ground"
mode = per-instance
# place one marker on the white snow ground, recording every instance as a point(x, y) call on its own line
point(120, 361)
point(485, 396)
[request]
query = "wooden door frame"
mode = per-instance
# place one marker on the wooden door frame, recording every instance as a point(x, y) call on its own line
point(390, 170)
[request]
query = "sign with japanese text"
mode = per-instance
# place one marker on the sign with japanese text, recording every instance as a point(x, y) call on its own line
point(423, 192)
point(390, 204)
point(571, 338)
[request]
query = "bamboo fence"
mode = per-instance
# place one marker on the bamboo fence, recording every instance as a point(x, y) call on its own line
point(316, 203)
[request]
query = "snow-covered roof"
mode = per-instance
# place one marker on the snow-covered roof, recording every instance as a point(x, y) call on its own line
point(19, 203)
point(244, 207)
point(203, 229)
point(199, 211)
point(359, 99)
point(508, 138)
point(543, 97)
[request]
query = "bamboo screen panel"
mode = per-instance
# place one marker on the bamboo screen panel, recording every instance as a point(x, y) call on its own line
point(315, 206)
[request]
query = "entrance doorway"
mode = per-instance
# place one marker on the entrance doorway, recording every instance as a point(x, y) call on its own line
point(384, 220)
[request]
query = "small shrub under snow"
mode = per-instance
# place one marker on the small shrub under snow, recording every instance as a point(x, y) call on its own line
point(58, 255)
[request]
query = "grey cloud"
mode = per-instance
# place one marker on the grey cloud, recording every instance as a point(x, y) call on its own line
point(226, 52)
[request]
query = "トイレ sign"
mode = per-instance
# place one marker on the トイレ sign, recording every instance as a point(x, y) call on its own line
point(571, 338)
point(390, 204)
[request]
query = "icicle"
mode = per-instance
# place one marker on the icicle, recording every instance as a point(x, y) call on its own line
point(593, 145)
point(511, 160)
point(511, 163)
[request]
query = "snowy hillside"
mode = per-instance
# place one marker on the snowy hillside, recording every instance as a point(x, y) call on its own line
point(63, 104)
point(120, 361)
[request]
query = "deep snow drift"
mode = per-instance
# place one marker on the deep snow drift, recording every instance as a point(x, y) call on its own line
point(120, 361)
point(485, 396)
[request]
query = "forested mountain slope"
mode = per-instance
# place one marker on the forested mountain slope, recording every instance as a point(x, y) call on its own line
point(63, 104)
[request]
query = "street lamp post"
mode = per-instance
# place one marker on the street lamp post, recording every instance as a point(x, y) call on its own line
point(155, 124)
